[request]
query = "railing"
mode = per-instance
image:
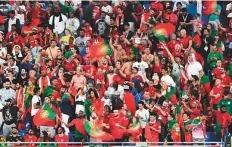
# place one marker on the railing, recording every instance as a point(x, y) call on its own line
point(112, 144)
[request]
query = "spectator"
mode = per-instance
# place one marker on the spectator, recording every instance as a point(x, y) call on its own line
point(14, 136)
point(61, 137)
point(7, 92)
point(30, 137)
point(10, 117)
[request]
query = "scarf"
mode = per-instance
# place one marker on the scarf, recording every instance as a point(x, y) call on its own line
point(19, 97)
point(43, 83)
point(53, 20)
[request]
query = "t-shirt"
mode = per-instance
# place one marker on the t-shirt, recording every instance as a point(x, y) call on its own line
point(214, 17)
point(35, 100)
point(81, 42)
point(28, 138)
point(63, 138)
point(217, 90)
point(145, 116)
point(213, 55)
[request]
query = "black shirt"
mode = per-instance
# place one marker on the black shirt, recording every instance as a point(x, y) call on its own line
point(16, 138)
point(10, 114)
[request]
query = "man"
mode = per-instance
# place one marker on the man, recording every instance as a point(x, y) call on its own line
point(143, 115)
point(11, 66)
point(129, 33)
point(3, 52)
point(14, 136)
point(214, 56)
point(52, 50)
point(10, 117)
point(185, 40)
point(102, 24)
point(61, 137)
point(51, 124)
point(73, 23)
point(116, 127)
point(52, 90)
point(44, 80)
point(226, 79)
point(187, 132)
point(30, 137)
point(141, 65)
point(166, 78)
point(19, 96)
point(7, 92)
point(226, 101)
point(79, 124)
point(193, 67)
point(129, 99)
point(216, 94)
point(155, 129)
point(35, 102)
point(12, 20)
point(174, 129)
point(185, 20)
point(223, 121)
point(57, 21)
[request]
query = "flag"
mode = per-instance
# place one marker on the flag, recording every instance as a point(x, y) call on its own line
point(98, 107)
point(79, 130)
point(209, 7)
point(135, 131)
point(88, 107)
point(100, 50)
point(134, 51)
point(196, 40)
point(147, 133)
point(171, 95)
point(206, 83)
point(51, 91)
point(174, 128)
point(44, 115)
point(194, 123)
point(93, 129)
point(163, 30)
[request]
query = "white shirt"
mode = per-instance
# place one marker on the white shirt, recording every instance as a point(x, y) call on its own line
point(107, 102)
point(6, 94)
point(193, 69)
point(35, 100)
point(21, 18)
point(145, 116)
point(168, 80)
point(141, 66)
point(73, 24)
point(111, 91)
point(183, 2)
point(11, 21)
point(59, 26)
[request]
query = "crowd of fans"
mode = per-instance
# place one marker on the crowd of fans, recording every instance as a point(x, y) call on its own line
point(45, 58)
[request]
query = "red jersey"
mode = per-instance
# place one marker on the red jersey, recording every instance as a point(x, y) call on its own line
point(171, 45)
point(217, 72)
point(185, 41)
point(196, 112)
point(224, 119)
point(163, 118)
point(156, 125)
point(157, 6)
point(104, 68)
point(199, 58)
point(151, 90)
point(63, 138)
point(116, 132)
point(79, 124)
point(69, 66)
point(89, 69)
point(96, 40)
point(29, 138)
point(226, 80)
point(129, 99)
point(26, 30)
point(217, 90)
point(99, 78)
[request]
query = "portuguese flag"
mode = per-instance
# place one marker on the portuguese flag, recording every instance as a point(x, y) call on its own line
point(174, 129)
point(206, 83)
point(79, 130)
point(171, 95)
point(44, 115)
point(100, 50)
point(97, 106)
point(163, 30)
point(135, 131)
point(51, 91)
point(93, 129)
point(209, 7)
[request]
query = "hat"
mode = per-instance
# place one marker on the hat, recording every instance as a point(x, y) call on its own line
point(90, 81)
point(68, 54)
point(8, 100)
point(57, 8)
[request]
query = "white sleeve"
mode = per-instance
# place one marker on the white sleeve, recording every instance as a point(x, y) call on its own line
point(228, 6)
point(68, 23)
point(76, 25)
point(173, 84)
point(50, 19)
point(34, 100)
point(64, 18)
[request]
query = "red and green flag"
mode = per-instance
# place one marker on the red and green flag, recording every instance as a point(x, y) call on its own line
point(134, 51)
point(135, 131)
point(97, 106)
point(44, 115)
point(51, 91)
point(171, 95)
point(163, 30)
point(94, 131)
point(209, 7)
point(196, 40)
point(174, 129)
point(88, 107)
point(206, 83)
point(79, 130)
point(100, 50)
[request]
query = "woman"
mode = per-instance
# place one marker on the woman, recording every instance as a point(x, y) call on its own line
point(44, 137)
point(17, 54)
